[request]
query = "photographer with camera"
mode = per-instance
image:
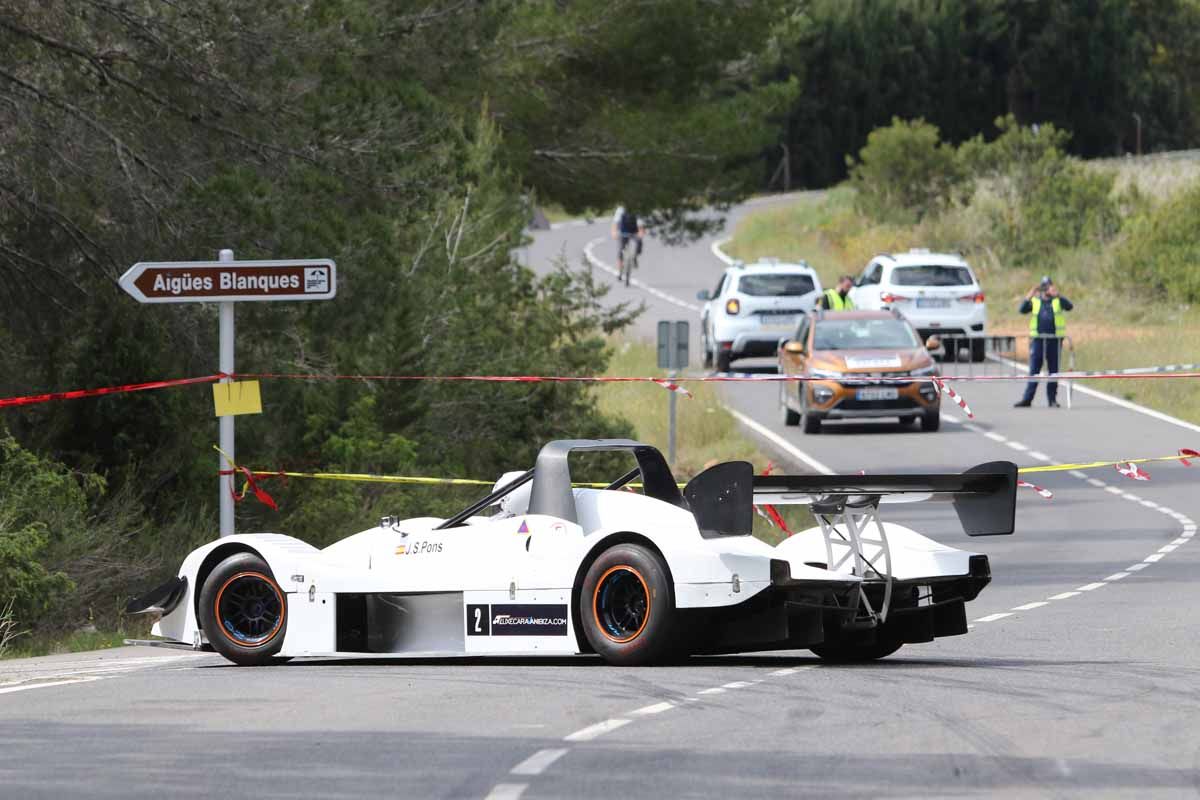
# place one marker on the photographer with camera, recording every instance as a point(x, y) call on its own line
point(1047, 326)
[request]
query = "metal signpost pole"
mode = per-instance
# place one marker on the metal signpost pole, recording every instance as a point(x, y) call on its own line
point(227, 282)
point(671, 421)
point(226, 483)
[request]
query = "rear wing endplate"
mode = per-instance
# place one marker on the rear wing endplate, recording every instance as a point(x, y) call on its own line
point(985, 496)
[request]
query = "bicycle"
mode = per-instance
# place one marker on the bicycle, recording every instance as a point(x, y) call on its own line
point(628, 261)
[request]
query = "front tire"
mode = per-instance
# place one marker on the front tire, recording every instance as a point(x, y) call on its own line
point(931, 421)
point(243, 611)
point(627, 606)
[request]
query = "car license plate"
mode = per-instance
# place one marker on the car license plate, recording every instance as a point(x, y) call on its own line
point(878, 393)
point(779, 321)
point(932, 302)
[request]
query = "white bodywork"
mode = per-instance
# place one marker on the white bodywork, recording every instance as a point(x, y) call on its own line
point(761, 322)
point(957, 309)
point(461, 583)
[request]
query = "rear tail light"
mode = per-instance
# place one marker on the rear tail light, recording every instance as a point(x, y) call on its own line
point(972, 298)
point(888, 297)
point(733, 306)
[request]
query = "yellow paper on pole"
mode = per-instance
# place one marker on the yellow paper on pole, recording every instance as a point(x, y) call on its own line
point(238, 397)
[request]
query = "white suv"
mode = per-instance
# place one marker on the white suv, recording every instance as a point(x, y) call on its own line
point(754, 308)
point(936, 292)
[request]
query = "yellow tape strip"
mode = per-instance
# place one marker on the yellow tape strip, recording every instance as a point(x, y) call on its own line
point(1097, 464)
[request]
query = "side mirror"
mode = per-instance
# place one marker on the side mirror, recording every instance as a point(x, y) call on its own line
point(793, 347)
point(703, 295)
point(933, 343)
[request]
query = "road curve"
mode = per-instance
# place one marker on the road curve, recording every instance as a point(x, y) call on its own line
point(1078, 679)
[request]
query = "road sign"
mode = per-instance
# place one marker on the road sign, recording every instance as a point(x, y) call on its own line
point(231, 281)
point(672, 345)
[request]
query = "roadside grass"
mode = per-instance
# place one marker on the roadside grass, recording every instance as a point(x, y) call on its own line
point(707, 433)
point(49, 644)
point(1108, 329)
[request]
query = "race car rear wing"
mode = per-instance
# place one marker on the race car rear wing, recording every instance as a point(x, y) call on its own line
point(985, 496)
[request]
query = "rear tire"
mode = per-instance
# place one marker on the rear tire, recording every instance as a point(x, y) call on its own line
point(931, 421)
point(977, 350)
point(243, 611)
point(627, 607)
point(852, 652)
point(724, 359)
point(708, 357)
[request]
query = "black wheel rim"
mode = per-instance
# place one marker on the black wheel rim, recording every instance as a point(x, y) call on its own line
point(622, 604)
point(250, 609)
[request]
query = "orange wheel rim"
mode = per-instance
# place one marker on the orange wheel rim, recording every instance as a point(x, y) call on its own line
point(616, 606)
point(249, 609)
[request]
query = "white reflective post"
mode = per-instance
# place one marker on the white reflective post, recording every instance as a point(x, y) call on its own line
point(225, 365)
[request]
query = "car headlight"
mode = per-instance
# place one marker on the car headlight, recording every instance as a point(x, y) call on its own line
point(825, 373)
point(930, 370)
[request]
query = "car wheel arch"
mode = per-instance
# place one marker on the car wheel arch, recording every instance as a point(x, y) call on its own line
point(611, 540)
point(211, 560)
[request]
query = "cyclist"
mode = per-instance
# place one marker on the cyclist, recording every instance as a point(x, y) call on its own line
point(627, 228)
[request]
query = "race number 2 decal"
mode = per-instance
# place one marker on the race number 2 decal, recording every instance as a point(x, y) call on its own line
point(517, 619)
point(479, 620)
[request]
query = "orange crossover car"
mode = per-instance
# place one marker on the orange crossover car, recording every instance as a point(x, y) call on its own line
point(836, 345)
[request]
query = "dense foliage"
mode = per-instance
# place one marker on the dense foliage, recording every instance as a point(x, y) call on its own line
point(405, 139)
point(1093, 67)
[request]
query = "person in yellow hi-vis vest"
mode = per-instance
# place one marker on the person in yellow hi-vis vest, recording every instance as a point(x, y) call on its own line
point(838, 299)
point(1047, 326)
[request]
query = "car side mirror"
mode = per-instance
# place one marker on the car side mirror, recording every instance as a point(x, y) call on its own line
point(933, 343)
point(703, 295)
point(793, 347)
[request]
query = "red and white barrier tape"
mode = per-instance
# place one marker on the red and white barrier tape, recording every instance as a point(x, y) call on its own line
point(953, 395)
point(1046, 493)
point(674, 387)
point(1133, 471)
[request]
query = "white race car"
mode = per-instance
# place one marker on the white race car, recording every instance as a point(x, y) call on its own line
point(636, 576)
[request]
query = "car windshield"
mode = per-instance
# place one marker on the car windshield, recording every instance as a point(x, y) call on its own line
point(777, 284)
point(863, 334)
point(932, 275)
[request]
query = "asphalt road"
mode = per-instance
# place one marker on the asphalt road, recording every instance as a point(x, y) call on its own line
point(1078, 678)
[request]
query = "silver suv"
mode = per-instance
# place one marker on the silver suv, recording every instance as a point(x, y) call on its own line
point(754, 308)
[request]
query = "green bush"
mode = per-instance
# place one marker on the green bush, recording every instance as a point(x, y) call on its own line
point(1073, 207)
point(1161, 249)
point(34, 491)
point(905, 173)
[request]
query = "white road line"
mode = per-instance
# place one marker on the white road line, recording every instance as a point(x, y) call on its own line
point(645, 287)
point(716, 249)
point(1168, 548)
point(735, 685)
point(507, 791)
point(1150, 504)
point(779, 441)
point(1062, 596)
point(596, 731)
point(1017, 446)
point(994, 617)
point(713, 690)
point(1090, 586)
point(995, 437)
point(1083, 476)
point(657, 708)
point(1116, 576)
point(1180, 540)
point(786, 671)
point(1150, 559)
point(537, 763)
point(1136, 567)
point(1097, 483)
point(1040, 456)
point(46, 685)
point(1031, 606)
point(1115, 490)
